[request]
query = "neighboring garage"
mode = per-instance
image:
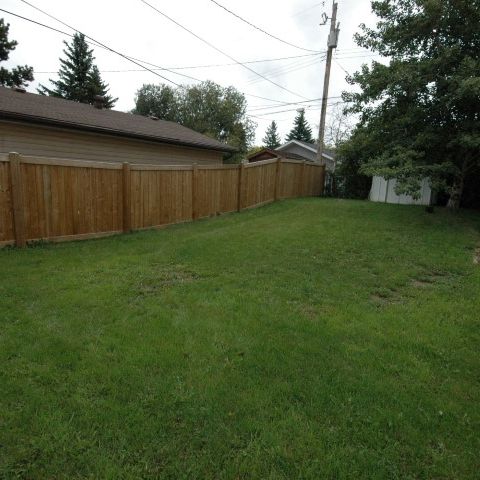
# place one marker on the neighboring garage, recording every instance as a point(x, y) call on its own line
point(39, 125)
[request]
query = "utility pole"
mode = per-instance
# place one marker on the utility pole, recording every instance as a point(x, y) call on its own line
point(332, 43)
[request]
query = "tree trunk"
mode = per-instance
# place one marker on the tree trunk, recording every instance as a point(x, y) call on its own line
point(456, 192)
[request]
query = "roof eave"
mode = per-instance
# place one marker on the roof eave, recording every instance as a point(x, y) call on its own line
point(108, 131)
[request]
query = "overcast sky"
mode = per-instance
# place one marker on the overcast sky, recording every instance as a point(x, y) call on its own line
point(136, 30)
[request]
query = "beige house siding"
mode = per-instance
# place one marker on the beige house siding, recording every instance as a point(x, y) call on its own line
point(57, 142)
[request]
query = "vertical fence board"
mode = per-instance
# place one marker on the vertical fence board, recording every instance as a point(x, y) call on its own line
point(17, 189)
point(7, 233)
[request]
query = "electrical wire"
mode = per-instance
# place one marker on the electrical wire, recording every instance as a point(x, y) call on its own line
point(319, 4)
point(284, 104)
point(130, 59)
point(191, 67)
point(211, 45)
point(312, 108)
point(260, 29)
point(288, 69)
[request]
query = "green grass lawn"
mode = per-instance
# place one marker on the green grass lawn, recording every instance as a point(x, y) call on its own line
point(309, 339)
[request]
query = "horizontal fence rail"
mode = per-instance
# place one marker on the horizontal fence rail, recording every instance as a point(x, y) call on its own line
point(59, 199)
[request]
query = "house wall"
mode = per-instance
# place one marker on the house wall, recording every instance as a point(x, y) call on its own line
point(384, 191)
point(57, 142)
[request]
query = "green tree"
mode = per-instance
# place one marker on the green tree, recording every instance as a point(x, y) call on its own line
point(162, 101)
point(208, 108)
point(301, 129)
point(420, 113)
point(79, 78)
point(272, 138)
point(18, 76)
point(99, 87)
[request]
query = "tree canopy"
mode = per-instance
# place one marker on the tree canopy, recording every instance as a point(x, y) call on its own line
point(208, 108)
point(272, 138)
point(78, 77)
point(301, 130)
point(18, 76)
point(419, 114)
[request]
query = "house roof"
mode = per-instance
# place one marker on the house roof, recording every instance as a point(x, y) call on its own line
point(329, 154)
point(276, 153)
point(33, 108)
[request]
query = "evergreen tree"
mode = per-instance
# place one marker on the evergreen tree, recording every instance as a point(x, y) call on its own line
point(301, 129)
point(79, 78)
point(99, 87)
point(18, 76)
point(272, 138)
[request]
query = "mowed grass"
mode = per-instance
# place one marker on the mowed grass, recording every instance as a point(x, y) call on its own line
point(309, 339)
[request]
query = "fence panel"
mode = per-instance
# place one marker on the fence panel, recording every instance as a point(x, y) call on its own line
point(290, 179)
point(216, 190)
point(6, 208)
point(259, 184)
point(314, 180)
point(160, 197)
point(60, 199)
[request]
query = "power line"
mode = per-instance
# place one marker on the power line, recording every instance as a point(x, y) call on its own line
point(192, 67)
point(319, 4)
point(283, 104)
point(340, 65)
point(220, 51)
point(313, 107)
point(144, 61)
point(261, 116)
point(260, 29)
point(94, 42)
point(130, 59)
point(298, 65)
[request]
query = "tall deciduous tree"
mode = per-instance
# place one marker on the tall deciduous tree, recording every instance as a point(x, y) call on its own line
point(301, 129)
point(79, 78)
point(18, 76)
point(207, 108)
point(272, 138)
point(420, 113)
point(338, 127)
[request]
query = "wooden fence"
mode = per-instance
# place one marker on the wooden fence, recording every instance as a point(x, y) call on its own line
point(58, 199)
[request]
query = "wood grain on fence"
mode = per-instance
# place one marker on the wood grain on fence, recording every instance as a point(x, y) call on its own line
point(60, 199)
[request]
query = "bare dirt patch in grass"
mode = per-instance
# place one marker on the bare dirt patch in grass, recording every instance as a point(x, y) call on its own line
point(421, 283)
point(384, 297)
point(476, 256)
point(165, 277)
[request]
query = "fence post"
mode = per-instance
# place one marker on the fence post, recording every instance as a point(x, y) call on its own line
point(277, 179)
point(303, 186)
point(241, 174)
point(322, 180)
point(127, 198)
point(18, 203)
point(194, 191)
